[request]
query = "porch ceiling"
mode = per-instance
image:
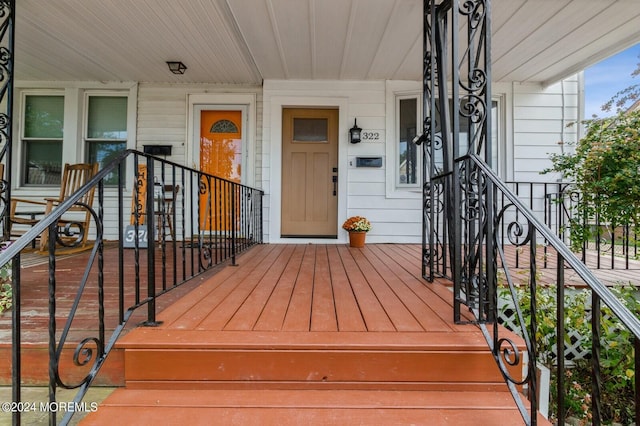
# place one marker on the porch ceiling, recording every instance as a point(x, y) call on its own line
point(246, 41)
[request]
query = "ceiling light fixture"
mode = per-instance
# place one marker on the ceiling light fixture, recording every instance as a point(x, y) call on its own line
point(176, 67)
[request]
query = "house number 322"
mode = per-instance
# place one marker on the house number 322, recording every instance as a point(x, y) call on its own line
point(371, 136)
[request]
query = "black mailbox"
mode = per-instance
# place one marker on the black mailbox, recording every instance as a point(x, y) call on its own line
point(368, 161)
point(157, 149)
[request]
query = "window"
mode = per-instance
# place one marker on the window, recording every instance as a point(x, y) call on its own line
point(224, 126)
point(42, 139)
point(310, 130)
point(409, 123)
point(408, 165)
point(106, 130)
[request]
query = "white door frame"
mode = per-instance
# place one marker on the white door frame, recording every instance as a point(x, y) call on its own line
point(223, 101)
point(245, 102)
point(276, 105)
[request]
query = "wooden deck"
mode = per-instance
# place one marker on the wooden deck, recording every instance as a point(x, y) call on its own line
point(622, 271)
point(313, 334)
point(304, 288)
point(295, 333)
point(312, 288)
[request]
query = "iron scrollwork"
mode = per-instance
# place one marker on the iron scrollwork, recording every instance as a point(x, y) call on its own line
point(206, 249)
point(83, 353)
point(7, 15)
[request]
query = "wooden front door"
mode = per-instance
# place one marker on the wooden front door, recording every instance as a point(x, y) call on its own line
point(309, 173)
point(220, 155)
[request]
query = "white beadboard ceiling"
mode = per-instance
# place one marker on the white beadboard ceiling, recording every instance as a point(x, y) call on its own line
point(246, 41)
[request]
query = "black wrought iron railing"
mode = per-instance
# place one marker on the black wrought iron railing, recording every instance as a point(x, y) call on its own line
point(168, 223)
point(475, 223)
point(606, 246)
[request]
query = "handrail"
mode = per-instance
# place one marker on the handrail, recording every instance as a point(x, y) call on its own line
point(557, 205)
point(489, 217)
point(212, 221)
point(629, 319)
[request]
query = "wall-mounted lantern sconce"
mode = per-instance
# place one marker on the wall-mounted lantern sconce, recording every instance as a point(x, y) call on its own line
point(355, 132)
point(176, 67)
point(419, 139)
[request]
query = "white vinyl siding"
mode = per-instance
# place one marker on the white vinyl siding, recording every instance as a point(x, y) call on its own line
point(532, 121)
point(541, 119)
point(362, 191)
point(163, 118)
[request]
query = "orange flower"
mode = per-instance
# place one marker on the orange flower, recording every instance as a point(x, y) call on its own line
point(357, 223)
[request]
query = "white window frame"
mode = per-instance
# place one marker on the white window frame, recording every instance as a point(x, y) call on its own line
point(395, 91)
point(85, 114)
point(21, 149)
point(73, 144)
point(418, 99)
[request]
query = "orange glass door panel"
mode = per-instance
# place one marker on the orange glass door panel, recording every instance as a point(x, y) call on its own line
point(220, 155)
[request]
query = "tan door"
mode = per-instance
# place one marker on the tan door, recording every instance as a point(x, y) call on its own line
point(309, 173)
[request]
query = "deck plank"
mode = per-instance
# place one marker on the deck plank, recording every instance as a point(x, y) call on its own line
point(247, 315)
point(347, 309)
point(275, 309)
point(224, 311)
point(298, 317)
point(321, 407)
point(323, 311)
point(400, 316)
point(401, 285)
point(375, 317)
point(223, 284)
point(439, 297)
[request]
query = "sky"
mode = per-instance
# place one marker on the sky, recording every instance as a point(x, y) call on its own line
point(606, 78)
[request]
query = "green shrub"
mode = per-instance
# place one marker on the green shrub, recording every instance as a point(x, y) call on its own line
point(6, 295)
point(6, 291)
point(605, 169)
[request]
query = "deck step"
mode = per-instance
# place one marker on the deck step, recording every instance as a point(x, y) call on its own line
point(308, 407)
point(158, 359)
point(35, 366)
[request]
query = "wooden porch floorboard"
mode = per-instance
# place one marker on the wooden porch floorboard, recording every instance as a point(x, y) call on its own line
point(330, 288)
point(280, 291)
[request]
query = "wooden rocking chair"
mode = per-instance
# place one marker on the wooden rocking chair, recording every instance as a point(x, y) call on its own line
point(74, 177)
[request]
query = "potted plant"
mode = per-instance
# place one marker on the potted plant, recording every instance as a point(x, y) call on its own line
point(357, 226)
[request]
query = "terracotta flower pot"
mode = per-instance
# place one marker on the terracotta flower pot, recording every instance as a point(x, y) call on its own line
point(356, 238)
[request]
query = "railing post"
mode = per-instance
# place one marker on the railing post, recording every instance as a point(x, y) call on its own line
point(636, 361)
point(560, 340)
point(596, 378)
point(491, 257)
point(533, 353)
point(121, 232)
point(53, 364)
point(151, 247)
point(234, 229)
point(6, 95)
point(16, 370)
